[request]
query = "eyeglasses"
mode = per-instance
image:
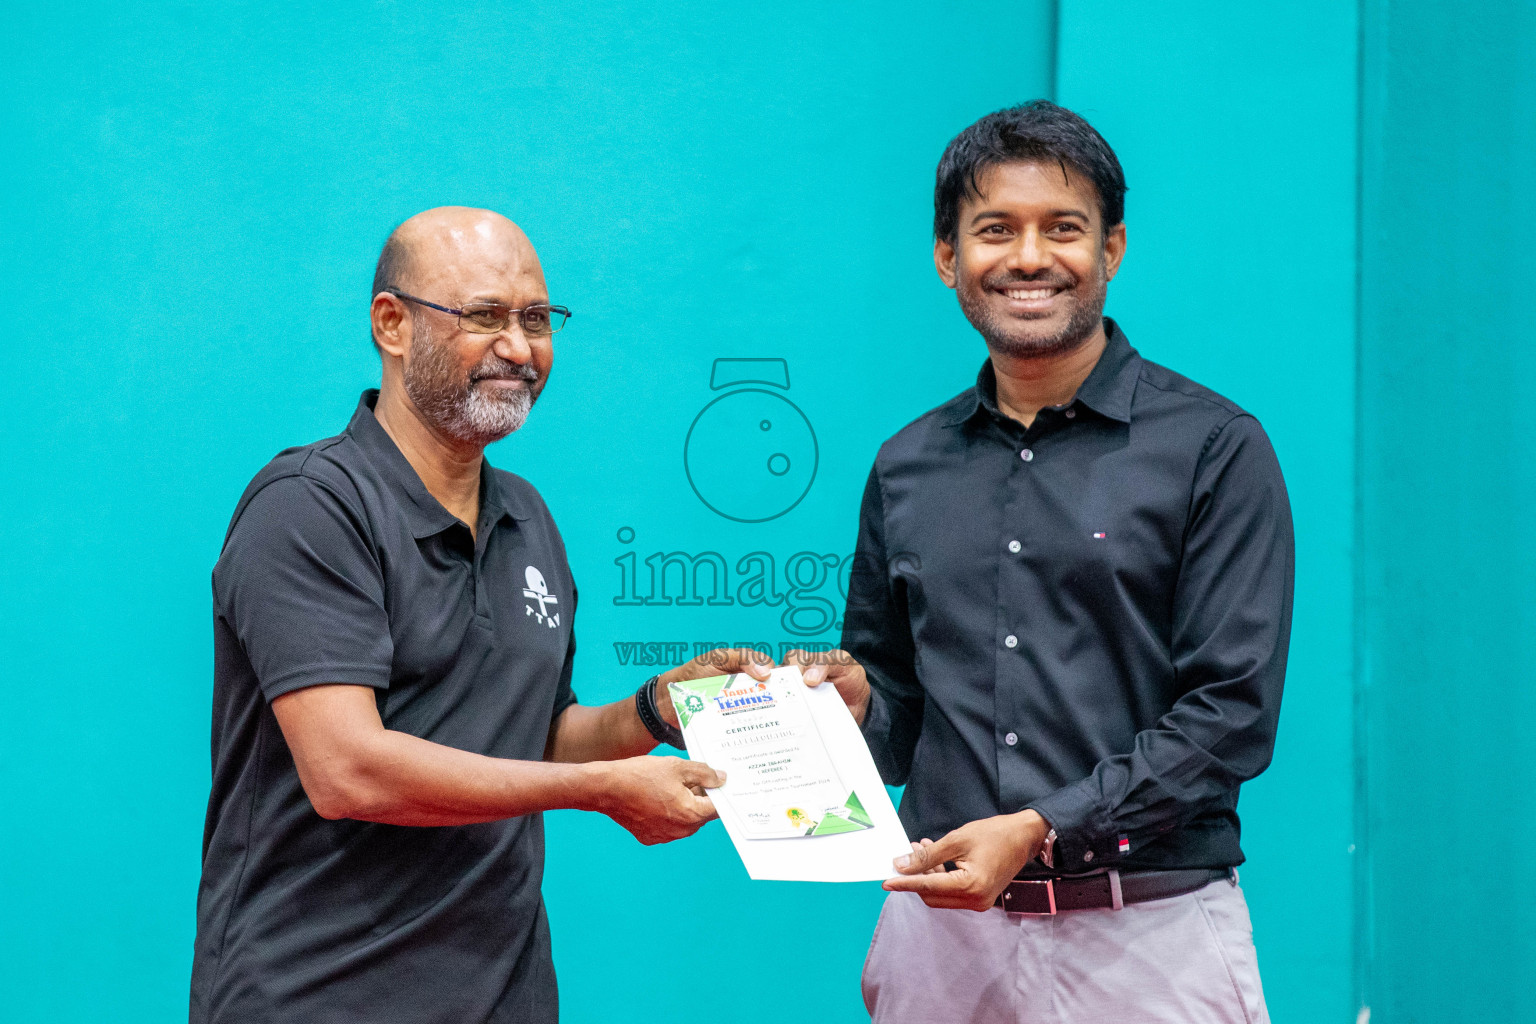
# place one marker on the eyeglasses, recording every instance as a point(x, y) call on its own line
point(493, 317)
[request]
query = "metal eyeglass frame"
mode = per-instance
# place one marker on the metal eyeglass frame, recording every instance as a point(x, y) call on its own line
point(565, 314)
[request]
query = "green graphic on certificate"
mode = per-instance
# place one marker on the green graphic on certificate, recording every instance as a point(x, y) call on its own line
point(850, 817)
point(780, 780)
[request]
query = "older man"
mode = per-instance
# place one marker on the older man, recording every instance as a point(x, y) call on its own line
point(392, 683)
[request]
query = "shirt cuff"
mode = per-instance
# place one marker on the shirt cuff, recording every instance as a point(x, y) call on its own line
point(876, 726)
point(1085, 838)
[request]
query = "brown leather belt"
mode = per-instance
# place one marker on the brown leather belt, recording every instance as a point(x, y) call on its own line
point(1104, 890)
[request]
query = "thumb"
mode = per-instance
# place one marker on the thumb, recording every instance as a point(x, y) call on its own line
point(929, 855)
point(697, 773)
point(812, 670)
point(796, 658)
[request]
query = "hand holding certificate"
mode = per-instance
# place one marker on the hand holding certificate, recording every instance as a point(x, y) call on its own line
point(802, 799)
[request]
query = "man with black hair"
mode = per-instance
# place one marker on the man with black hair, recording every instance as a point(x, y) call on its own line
point(1066, 631)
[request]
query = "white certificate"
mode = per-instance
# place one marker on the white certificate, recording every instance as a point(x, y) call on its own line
point(802, 800)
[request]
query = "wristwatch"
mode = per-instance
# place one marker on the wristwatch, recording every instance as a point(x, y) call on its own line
point(650, 716)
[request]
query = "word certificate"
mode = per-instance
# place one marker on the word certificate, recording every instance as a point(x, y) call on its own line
point(802, 800)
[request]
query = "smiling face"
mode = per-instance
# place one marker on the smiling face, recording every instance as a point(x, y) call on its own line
point(472, 388)
point(1031, 261)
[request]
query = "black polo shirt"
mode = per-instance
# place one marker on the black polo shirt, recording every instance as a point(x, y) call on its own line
point(1088, 617)
point(339, 567)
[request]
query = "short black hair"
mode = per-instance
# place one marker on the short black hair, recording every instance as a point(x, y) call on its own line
point(1035, 131)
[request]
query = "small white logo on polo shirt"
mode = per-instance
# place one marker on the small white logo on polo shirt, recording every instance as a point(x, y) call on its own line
point(538, 590)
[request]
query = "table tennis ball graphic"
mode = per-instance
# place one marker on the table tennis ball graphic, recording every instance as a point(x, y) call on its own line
point(750, 454)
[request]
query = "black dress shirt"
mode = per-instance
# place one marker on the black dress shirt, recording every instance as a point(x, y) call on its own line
point(1088, 617)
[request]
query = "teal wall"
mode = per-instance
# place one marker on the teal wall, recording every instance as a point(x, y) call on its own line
point(1236, 126)
point(194, 199)
point(1447, 523)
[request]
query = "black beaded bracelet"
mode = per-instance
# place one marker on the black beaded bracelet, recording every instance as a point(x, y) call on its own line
point(650, 716)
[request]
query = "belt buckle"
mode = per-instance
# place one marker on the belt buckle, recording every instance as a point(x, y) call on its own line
point(1034, 896)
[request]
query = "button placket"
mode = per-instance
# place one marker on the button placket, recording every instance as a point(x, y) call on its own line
point(1012, 671)
point(482, 598)
point(480, 589)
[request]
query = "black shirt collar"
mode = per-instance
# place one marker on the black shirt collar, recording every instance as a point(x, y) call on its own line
point(1108, 390)
point(426, 513)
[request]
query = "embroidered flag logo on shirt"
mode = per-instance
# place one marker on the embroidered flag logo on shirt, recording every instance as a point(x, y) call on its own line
point(1100, 536)
point(1125, 845)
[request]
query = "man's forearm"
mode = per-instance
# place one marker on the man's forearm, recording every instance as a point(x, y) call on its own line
point(399, 779)
point(603, 733)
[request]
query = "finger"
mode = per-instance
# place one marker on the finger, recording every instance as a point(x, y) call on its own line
point(703, 808)
point(755, 663)
point(711, 663)
point(728, 660)
point(918, 846)
point(945, 884)
point(929, 855)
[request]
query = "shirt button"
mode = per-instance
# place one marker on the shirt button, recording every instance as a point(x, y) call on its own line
point(1010, 641)
point(1087, 855)
point(1027, 455)
point(1011, 738)
point(1071, 413)
point(1014, 546)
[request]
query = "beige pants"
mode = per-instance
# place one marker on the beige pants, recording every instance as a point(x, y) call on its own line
point(1184, 960)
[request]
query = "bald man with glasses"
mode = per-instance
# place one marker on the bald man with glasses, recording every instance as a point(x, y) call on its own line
point(392, 703)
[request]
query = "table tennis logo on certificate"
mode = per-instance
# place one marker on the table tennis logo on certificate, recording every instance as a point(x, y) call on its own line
point(746, 698)
point(781, 783)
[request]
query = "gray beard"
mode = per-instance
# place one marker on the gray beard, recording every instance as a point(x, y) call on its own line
point(462, 410)
point(1002, 336)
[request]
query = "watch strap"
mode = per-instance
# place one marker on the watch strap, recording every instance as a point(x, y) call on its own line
point(660, 729)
